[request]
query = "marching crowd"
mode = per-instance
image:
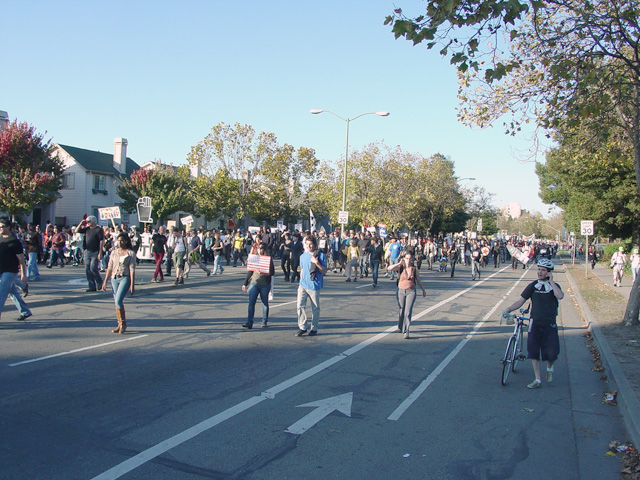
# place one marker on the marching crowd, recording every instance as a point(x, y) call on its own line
point(115, 252)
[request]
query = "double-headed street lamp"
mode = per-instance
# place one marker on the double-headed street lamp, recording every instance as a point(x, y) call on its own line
point(346, 149)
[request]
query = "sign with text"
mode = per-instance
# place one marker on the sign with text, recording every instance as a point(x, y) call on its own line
point(186, 220)
point(586, 227)
point(343, 217)
point(109, 213)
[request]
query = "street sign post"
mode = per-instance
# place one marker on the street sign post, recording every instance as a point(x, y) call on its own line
point(586, 229)
point(343, 219)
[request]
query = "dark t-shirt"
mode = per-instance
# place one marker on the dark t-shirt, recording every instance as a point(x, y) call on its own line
point(544, 304)
point(363, 244)
point(92, 238)
point(9, 248)
point(159, 241)
point(216, 247)
point(297, 249)
point(195, 242)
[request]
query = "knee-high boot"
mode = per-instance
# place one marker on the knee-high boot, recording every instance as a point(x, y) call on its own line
point(119, 318)
point(123, 325)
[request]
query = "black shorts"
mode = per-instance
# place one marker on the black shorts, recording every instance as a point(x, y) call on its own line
point(543, 342)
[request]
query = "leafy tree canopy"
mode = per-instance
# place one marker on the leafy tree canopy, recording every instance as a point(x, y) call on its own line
point(170, 190)
point(30, 172)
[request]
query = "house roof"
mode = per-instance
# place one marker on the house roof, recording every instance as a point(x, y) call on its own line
point(97, 161)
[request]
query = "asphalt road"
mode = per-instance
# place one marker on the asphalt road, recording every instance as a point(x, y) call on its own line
point(187, 393)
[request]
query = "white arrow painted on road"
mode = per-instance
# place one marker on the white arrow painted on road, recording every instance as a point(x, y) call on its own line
point(342, 403)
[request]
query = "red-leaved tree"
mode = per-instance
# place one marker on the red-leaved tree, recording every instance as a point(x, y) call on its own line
point(29, 172)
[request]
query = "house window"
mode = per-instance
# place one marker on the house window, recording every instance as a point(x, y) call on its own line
point(100, 184)
point(69, 181)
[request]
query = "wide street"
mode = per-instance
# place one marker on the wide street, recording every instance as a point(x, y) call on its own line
point(187, 393)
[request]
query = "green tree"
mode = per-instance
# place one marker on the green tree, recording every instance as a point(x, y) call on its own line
point(30, 172)
point(285, 180)
point(592, 180)
point(240, 152)
point(398, 188)
point(441, 203)
point(479, 206)
point(216, 196)
point(170, 190)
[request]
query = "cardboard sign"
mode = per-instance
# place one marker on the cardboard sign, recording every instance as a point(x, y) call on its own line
point(109, 213)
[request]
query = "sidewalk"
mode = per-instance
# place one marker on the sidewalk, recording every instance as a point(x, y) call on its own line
point(628, 401)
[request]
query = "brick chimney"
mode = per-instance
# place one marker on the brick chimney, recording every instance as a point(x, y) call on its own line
point(120, 155)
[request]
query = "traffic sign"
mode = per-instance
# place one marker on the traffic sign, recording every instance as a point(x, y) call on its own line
point(479, 225)
point(586, 227)
point(343, 217)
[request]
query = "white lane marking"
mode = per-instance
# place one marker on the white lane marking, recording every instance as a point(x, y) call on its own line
point(166, 445)
point(76, 351)
point(282, 304)
point(342, 403)
point(404, 406)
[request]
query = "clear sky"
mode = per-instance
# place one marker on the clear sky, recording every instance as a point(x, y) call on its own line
point(162, 73)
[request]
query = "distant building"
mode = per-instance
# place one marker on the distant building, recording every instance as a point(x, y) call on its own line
point(4, 120)
point(513, 210)
point(90, 180)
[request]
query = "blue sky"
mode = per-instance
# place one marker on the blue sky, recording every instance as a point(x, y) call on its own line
point(161, 74)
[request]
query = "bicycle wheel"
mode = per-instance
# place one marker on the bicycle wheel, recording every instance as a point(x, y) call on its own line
point(517, 352)
point(507, 362)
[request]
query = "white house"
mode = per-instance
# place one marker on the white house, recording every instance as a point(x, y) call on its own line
point(90, 181)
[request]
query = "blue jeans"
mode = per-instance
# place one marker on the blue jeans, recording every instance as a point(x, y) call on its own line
point(393, 261)
point(8, 288)
point(216, 264)
point(92, 271)
point(254, 291)
point(56, 254)
point(120, 287)
point(32, 267)
point(475, 269)
point(363, 263)
point(375, 266)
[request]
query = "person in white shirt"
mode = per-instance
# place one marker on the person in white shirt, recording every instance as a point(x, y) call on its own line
point(618, 260)
point(635, 263)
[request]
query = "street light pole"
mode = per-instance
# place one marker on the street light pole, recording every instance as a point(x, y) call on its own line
point(346, 148)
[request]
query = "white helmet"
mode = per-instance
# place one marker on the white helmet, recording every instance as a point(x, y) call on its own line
point(546, 263)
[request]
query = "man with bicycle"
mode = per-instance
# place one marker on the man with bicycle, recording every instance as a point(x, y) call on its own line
point(543, 343)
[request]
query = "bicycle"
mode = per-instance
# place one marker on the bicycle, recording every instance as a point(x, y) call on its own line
point(513, 354)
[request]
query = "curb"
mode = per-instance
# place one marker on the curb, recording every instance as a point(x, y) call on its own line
point(628, 402)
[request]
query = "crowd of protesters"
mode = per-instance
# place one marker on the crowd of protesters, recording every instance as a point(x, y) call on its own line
point(176, 251)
